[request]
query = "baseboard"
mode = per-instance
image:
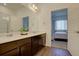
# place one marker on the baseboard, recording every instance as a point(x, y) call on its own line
point(60, 39)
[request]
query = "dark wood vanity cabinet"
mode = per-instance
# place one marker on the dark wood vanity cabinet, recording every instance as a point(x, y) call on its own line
point(38, 42)
point(35, 44)
point(42, 41)
point(25, 51)
point(13, 52)
point(20, 47)
point(9, 49)
point(23, 47)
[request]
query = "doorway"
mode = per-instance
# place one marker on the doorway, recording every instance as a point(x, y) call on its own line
point(59, 28)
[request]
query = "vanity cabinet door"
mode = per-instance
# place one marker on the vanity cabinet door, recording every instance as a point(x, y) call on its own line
point(38, 42)
point(9, 49)
point(42, 40)
point(25, 50)
point(35, 45)
point(13, 52)
point(24, 47)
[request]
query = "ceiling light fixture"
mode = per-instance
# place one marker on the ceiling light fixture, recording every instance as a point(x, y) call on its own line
point(33, 7)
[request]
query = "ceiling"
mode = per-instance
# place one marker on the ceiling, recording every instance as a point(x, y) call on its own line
point(13, 6)
point(17, 6)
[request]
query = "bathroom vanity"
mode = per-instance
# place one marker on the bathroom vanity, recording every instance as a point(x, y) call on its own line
point(22, 45)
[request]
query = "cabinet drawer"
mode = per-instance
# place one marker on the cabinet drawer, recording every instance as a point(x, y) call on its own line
point(25, 50)
point(23, 41)
point(7, 47)
point(13, 52)
point(28, 40)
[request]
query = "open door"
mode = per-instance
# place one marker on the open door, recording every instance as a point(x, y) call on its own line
point(59, 27)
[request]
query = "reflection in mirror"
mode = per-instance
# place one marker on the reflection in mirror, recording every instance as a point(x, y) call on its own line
point(4, 23)
point(25, 28)
point(26, 23)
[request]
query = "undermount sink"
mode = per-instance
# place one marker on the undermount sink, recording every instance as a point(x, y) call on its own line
point(14, 34)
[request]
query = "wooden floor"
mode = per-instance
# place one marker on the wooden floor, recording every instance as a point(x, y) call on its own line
point(59, 44)
point(47, 51)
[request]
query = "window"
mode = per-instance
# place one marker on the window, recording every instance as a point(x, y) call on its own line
point(59, 18)
point(61, 25)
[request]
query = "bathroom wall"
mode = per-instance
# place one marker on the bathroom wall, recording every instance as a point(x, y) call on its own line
point(16, 18)
point(14, 24)
point(33, 20)
point(5, 10)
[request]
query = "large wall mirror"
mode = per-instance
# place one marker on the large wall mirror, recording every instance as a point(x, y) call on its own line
point(4, 23)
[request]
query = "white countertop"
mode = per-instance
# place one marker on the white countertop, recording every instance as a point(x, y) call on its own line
point(4, 39)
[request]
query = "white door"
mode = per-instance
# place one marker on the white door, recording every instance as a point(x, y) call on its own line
point(73, 28)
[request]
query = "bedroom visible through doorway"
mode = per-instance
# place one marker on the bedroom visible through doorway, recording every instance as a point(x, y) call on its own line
point(59, 28)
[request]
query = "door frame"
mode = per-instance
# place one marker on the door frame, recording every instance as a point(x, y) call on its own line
point(53, 27)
